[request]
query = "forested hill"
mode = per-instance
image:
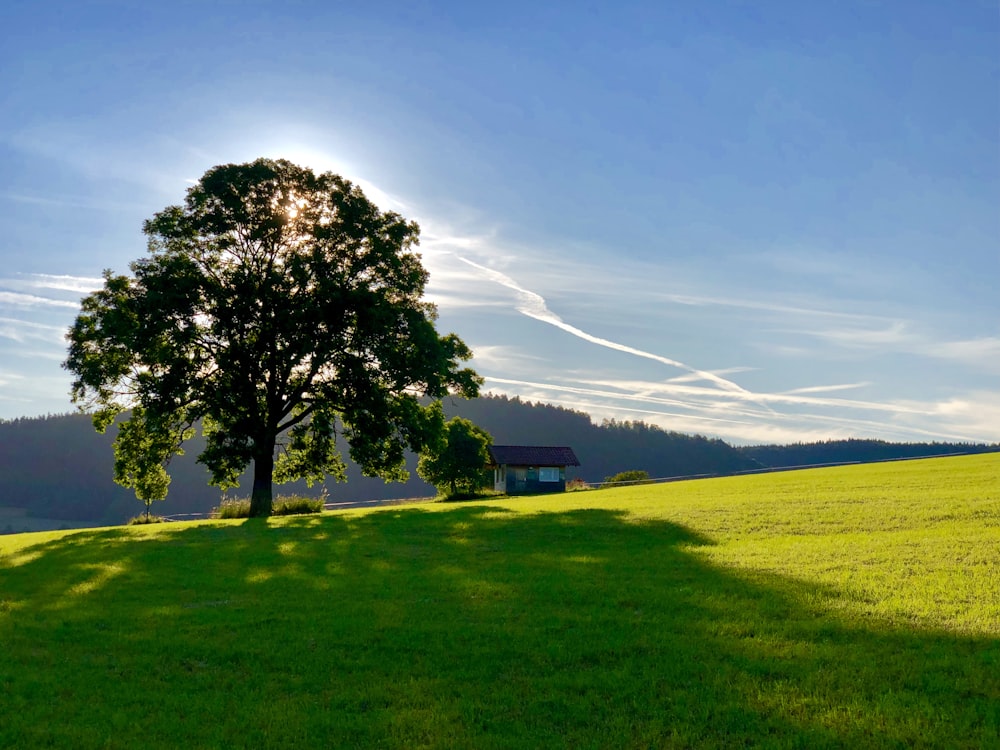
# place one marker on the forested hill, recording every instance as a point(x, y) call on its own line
point(848, 451)
point(58, 467)
point(603, 449)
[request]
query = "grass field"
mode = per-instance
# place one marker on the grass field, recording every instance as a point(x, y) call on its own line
point(846, 607)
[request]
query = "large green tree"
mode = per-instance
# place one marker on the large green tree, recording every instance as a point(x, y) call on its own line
point(456, 462)
point(282, 311)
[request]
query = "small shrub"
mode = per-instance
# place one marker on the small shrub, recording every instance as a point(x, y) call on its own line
point(294, 505)
point(635, 476)
point(144, 519)
point(576, 485)
point(233, 507)
point(464, 495)
point(460, 496)
point(239, 507)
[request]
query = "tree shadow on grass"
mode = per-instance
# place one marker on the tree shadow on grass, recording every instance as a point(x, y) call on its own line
point(472, 626)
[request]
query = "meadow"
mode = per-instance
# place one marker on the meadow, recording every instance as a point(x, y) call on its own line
point(845, 607)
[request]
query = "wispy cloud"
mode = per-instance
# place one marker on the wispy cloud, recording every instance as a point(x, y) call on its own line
point(900, 337)
point(46, 354)
point(81, 284)
point(981, 353)
point(149, 168)
point(864, 338)
point(70, 201)
point(826, 388)
point(23, 390)
point(18, 299)
point(903, 420)
point(55, 282)
point(976, 413)
point(25, 330)
point(797, 311)
point(499, 356)
point(534, 306)
point(722, 399)
point(688, 378)
point(798, 330)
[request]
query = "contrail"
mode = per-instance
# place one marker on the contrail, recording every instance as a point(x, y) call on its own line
point(533, 305)
point(700, 412)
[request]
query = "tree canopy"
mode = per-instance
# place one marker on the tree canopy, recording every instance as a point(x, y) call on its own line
point(456, 462)
point(282, 311)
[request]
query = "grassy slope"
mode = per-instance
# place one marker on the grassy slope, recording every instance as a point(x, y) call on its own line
point(846, 607)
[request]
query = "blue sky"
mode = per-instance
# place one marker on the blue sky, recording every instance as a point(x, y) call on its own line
point(766, 222)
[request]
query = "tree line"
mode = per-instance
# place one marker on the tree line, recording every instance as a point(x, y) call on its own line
point(855, 450)
point(59, 467)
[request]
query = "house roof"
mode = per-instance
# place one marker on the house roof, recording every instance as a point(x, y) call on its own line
point(532, 455)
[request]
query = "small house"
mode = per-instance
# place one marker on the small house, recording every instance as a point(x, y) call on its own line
point(520, 469)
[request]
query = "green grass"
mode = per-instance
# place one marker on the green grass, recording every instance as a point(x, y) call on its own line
point(847, 607)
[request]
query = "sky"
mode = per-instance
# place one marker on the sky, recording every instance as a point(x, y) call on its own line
point(766, 222)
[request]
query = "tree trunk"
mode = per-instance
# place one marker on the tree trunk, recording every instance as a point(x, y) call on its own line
point(263, 470)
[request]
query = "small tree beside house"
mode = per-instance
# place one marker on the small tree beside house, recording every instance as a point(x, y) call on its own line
point(456, 463)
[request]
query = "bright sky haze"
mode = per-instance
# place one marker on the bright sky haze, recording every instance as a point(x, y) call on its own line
point(761, 221)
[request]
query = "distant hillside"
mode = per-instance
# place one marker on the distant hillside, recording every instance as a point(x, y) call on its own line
point(603, 449)
point(863, 451)
point(57, 467)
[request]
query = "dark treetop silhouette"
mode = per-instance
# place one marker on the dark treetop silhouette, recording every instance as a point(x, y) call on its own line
point(279, 309)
